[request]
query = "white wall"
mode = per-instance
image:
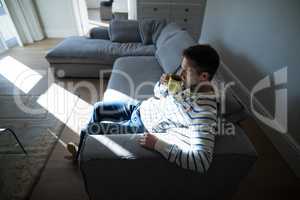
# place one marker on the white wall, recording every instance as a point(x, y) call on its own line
point(120, 6)
point(256, 39)
point(58, 18)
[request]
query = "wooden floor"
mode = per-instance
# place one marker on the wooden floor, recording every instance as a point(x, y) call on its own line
point(271, 178)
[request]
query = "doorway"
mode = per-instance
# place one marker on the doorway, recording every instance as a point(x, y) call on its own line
point(119, 9)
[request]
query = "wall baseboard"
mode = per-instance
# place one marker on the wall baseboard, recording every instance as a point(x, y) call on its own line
point(284, 143)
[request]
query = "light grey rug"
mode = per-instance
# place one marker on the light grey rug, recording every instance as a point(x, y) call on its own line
point(19, 172)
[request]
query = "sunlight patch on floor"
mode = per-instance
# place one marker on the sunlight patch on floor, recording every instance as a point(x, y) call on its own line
point(23, 77)
point(80, 116)
point(58, 101)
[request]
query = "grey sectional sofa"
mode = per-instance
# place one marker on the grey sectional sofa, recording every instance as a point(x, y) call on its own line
point(115, 166)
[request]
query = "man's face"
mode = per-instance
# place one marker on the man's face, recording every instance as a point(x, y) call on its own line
point(190, 75)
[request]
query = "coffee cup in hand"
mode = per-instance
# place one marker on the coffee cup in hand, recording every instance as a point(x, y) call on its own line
point(174, 83)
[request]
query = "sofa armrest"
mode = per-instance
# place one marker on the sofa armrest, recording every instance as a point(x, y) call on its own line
point(117, 167)
point(99, 33)
point(115, 147)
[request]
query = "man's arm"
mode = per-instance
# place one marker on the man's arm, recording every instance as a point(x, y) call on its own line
point(185, 147)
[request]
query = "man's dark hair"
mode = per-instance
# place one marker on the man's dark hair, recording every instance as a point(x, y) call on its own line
point(204, 57)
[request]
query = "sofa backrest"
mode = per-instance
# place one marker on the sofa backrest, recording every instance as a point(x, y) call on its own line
point(150, 30)
point(169, 52)
point(124, 31)
point(144, 31)
point(167, 32)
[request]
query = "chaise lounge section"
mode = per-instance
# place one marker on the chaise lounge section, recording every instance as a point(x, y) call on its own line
point(84, 57)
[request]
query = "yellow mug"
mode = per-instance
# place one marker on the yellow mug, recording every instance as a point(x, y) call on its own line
point(174, 84)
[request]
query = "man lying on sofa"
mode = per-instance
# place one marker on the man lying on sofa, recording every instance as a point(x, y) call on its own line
point(179, 125)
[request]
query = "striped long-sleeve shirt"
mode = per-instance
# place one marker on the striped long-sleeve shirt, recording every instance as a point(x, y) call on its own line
point(185, 125)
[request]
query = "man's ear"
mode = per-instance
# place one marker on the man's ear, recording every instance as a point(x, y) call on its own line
point(204, 76)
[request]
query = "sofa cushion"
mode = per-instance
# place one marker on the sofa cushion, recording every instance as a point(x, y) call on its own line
point(150, 30)
point(126, 84)
point(169, 55)
point(124, 31)
point(167, 32)
point(95, 51)
point(99, 33)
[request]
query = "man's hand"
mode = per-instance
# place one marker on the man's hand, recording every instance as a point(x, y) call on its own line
point(148, 140)
point(164, 78)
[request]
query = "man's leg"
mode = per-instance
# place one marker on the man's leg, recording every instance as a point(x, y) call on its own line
point(116, 111)
point(112, 111)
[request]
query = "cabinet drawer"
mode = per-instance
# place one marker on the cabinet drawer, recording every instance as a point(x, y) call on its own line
point(154, 1)
point(156, 17)
point(189, 1)
point(191, 20)
point(149, 10)
point(186, 10)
